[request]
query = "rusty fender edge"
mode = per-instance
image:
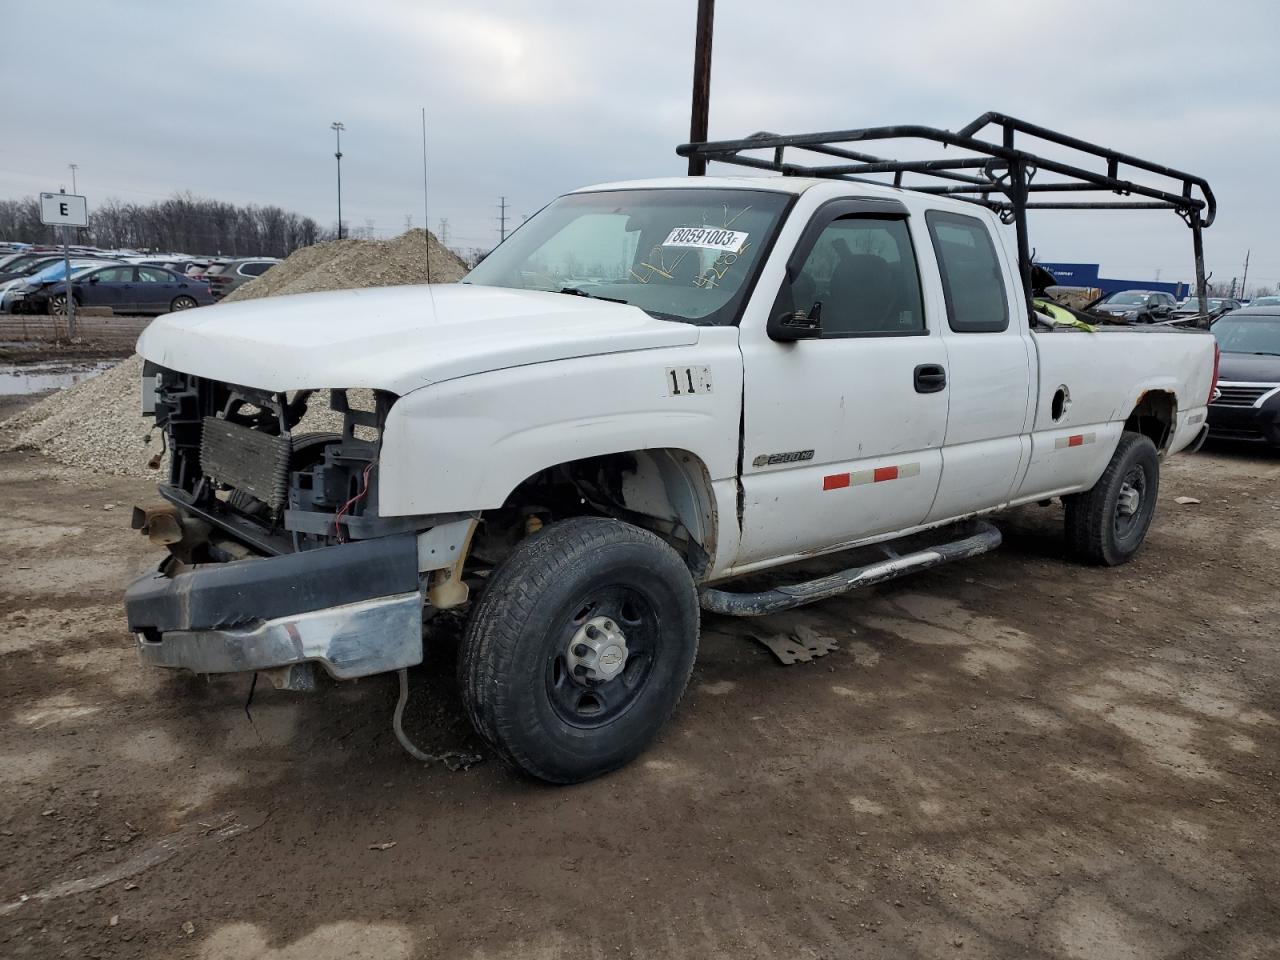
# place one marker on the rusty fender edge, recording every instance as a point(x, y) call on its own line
point(983, 538)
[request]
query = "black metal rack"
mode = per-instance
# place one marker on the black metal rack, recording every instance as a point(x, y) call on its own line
point(1000, 175)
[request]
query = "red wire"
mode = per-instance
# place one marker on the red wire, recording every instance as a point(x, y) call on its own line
point(364, 489)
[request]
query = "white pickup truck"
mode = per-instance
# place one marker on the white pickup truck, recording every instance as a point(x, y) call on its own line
point(650, 389)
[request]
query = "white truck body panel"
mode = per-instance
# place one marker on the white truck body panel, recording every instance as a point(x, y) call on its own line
point(497, 384)
point(478, 437)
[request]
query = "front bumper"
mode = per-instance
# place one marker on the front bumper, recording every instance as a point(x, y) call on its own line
point(355, 609)
point(1256, 424)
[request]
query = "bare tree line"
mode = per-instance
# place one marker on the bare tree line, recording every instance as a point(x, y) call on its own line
point(182, 223)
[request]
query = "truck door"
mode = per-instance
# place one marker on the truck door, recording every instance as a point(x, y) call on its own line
point(989, 366)
point(842, 433)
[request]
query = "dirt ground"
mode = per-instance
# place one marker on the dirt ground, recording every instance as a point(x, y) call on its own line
point(24, 339)
point(1014, 757)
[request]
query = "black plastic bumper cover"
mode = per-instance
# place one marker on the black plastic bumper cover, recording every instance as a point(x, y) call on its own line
point(247, 591)
point(1246, 423)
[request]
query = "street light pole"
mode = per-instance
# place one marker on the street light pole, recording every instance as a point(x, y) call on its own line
point(74, 167)
point(337, 129)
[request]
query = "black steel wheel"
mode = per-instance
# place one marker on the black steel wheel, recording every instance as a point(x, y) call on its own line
point(606, 655)
point(1108, 523)
point(579, 648)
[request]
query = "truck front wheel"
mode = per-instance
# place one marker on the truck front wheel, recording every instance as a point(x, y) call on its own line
point(1107, 524)
point(579, 648)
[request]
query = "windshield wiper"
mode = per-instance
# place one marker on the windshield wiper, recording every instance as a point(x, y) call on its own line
point(1265, 353)
point(576, 292)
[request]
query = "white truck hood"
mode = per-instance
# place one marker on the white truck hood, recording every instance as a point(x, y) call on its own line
point(396, 338)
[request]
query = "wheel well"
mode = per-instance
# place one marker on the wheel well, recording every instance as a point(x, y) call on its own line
point(1154, 417)
point(665, 490)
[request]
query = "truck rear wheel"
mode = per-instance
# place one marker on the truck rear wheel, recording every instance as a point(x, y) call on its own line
point(579, 648)
point(1107, 524)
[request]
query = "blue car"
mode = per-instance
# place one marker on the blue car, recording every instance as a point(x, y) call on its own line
point(123, 287)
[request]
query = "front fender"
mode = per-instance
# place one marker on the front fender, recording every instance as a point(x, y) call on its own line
point(465, 444)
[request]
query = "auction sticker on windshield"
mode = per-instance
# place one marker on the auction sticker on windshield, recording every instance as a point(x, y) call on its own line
point(706, 238)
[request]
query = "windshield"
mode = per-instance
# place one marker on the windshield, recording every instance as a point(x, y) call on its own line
point(680, 254)
point(1252, 335)
point(1132, 299)
point(21, 262)
point(56, 271)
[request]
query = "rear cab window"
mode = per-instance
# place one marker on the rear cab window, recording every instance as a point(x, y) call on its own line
point(972, 279)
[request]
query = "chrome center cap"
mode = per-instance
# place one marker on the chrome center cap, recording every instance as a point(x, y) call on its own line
point(1129, 500)
point(598, 651)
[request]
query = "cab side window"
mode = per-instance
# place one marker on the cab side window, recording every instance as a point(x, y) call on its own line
point(862, 271)
point(972, 280)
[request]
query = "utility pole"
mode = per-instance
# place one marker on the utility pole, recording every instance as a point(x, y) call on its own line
point(337, 129)
point(502, 219)
point(1246, 272)
point(408, 222)
point(443, 232)
point(701, 84)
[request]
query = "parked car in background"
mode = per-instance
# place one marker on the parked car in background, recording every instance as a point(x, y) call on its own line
point(227, 275)
point(1216, 307)
point(14, 293)
point(13, 260)
point(1137, 306)
point(1264, 302)
point(1246, 405)
point(27, 264)
point(124, 288)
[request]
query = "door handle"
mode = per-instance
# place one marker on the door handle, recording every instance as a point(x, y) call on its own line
point(930, 378)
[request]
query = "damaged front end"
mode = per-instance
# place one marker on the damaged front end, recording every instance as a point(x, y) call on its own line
point(278, 557)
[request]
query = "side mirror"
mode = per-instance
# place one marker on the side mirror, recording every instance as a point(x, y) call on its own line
point(93, 279)
point(787, 326)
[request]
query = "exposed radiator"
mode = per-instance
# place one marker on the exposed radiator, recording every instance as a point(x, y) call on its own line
point(247, 459)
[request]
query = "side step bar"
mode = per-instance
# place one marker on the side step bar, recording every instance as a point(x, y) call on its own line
point(983, 538)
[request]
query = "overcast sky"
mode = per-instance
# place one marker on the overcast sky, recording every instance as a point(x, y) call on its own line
point(233, 100)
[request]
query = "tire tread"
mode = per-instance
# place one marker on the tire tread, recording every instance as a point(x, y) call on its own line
point(1088, 516)
point(507, 604)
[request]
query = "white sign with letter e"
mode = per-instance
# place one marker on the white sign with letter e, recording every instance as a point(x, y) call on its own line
point(64, 210)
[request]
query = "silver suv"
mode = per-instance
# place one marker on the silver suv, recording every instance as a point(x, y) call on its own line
point(226, 275)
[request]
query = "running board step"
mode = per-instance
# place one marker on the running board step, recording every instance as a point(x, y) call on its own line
point(983, 537)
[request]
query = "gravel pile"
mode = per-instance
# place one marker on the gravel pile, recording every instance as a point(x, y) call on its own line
point(343, 264)
point(97, 423)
